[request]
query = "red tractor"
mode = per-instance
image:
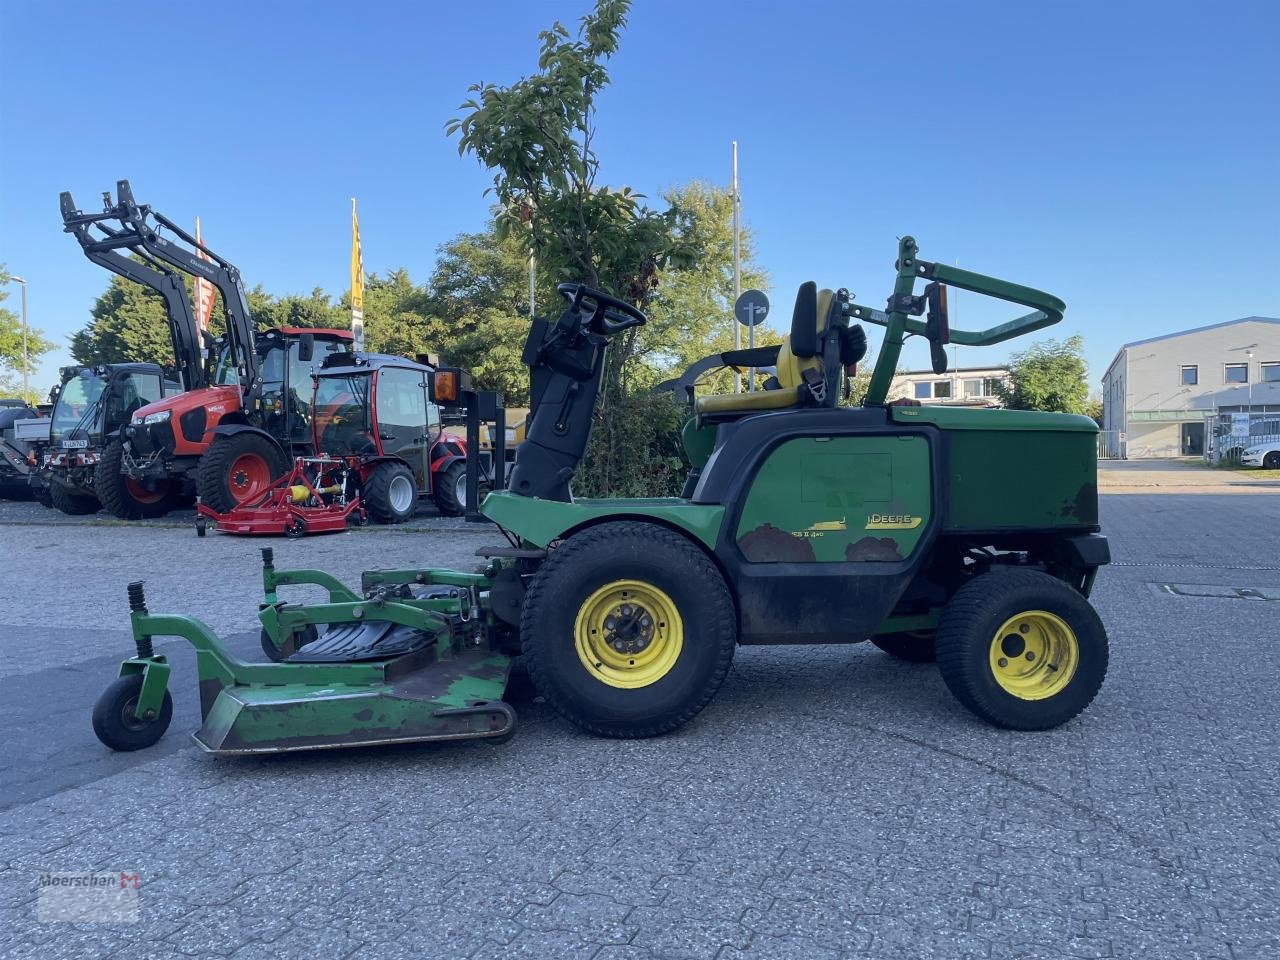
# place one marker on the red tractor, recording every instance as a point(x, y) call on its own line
point(375, 412)
point(246, 412)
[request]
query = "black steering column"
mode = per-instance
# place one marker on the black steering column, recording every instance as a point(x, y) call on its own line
point(566, 362)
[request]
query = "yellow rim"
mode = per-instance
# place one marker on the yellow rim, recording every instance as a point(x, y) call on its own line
point(628, 634)
point(1034, 655)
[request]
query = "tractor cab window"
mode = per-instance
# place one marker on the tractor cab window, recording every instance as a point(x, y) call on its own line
point(298, 396)
point(129, 393)
point(402, 418)
point(342, 421)
point(78, 407)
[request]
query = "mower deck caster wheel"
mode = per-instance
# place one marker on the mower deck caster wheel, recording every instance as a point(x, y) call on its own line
point(274, 653)
point(295, 528)
point(202, 526)
point(114, 722)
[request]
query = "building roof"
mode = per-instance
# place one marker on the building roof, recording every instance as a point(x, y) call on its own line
point(1211, 326)
point(1183, 333)
point(929, 373)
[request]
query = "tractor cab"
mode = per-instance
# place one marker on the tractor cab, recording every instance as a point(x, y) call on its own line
point(375, 411)
point(91, 406)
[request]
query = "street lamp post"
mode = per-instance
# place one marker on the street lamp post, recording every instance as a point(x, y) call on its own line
point(26, 386)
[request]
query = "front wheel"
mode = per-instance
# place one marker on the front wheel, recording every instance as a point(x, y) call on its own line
point(72, 504)
point(628, 630)
point(1272, 460)
point(237, 467)
point(1021, 649)
point(391, 494)
point(124, 497)
point(114, 721)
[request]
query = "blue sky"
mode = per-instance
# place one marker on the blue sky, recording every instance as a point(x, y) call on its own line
point(1120, 155)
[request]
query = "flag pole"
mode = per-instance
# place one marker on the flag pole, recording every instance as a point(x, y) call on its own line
point(357, 282)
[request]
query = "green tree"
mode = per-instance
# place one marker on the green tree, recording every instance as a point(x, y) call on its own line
point(292, 310)
point(1050, 375)
point(11, 366)
point(127, 324)
point(537, 136)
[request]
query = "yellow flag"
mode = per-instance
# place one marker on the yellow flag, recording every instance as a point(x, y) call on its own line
point(357, 264)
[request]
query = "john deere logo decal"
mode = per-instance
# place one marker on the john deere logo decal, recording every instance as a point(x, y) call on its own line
point(821, 528)
point(893, 521)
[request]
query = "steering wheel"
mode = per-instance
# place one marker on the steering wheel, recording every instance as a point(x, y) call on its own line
point(608, 315)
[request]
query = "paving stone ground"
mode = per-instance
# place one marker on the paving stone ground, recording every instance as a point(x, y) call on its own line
point(830, 803)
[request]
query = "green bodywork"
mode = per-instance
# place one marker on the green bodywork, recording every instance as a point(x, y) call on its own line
point(539, 522)
point(838, 499)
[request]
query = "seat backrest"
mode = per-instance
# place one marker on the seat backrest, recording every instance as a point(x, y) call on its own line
point(808, 347)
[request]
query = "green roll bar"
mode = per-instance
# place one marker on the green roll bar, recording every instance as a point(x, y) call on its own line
point(898, 322)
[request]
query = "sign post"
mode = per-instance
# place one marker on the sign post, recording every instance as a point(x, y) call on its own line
point(750, 309)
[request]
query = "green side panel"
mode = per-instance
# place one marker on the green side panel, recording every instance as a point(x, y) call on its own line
point(1016, 469)
point(541, 521)
point(698, 441)
point(838, 499)
point(1025, 479)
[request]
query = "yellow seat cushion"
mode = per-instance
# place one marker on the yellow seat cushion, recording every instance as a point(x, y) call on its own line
point(790, 377)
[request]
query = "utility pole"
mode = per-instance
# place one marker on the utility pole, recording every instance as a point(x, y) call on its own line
point(26, 376)
point(737, 264)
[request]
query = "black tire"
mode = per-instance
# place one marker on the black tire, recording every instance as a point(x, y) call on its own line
point(378, 498)
point(445, 489)
point(72, 504)
point(659, 558)
point(969, 628)
point(912, 647)
point(214, 483)
point(202, 526)
point(1271, 461)
point(44, 496)
point(274, 653)
point(113, 489)
point(114, 723)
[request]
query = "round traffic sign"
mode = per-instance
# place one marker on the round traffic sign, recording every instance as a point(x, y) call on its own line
point(751, 307)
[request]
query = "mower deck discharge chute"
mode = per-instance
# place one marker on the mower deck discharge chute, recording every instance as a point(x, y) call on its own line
point(801, 522)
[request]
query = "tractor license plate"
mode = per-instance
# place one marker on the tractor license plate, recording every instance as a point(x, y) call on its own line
point(74, 444)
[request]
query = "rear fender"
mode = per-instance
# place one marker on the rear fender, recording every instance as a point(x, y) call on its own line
point(539, 522)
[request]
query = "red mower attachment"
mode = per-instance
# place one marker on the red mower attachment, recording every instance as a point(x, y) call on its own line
point(311, 498)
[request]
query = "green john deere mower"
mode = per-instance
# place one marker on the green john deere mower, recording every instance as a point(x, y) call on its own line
point(962, 535)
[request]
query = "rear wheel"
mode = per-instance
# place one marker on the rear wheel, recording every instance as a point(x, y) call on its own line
point(236, 468)
point(915, 647)
point(1021, 649)
point(124, 496)
point(74, 504)
point(1272, 460)
point(391, 494)
point(628, 630)
point(450, 489)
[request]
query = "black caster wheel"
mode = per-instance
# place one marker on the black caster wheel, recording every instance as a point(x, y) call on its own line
point(114, 722)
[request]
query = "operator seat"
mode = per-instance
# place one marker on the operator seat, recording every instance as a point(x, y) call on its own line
point(808, 363)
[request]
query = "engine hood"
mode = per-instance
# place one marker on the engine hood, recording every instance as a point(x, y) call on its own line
point(219, 401)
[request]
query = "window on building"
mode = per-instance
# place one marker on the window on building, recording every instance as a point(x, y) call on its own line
point(990, 385)
point(1236, 373)
point(942, 389)
point(1271, 372)
point(922, 391)
point(973, 388)
point(1190, 374)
